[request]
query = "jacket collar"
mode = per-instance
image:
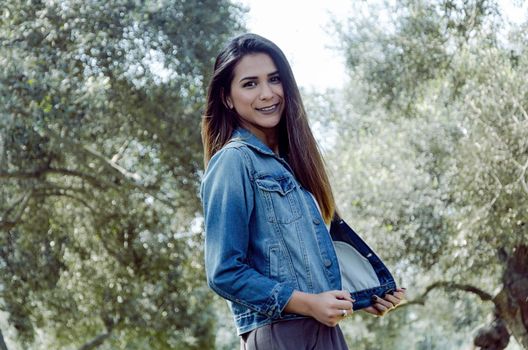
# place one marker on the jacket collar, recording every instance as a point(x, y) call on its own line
point(245, 136)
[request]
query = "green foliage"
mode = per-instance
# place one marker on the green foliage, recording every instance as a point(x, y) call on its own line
point(414, 43)
point(100, 157)
point(430, 163)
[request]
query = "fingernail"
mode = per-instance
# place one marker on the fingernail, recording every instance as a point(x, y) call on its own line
point(353, 300)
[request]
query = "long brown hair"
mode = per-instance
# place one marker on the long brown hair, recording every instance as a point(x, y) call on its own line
point(295, 136)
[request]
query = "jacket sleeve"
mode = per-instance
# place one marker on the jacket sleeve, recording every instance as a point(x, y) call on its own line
point(228, 202)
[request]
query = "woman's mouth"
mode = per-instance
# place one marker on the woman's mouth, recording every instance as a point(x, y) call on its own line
point(268, 109)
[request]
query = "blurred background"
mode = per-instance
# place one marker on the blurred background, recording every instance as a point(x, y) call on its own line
point(420, 108)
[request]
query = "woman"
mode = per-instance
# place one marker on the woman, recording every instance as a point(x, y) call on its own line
point(266, 199)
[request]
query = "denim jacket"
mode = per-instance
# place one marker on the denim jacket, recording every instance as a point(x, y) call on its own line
point(265, 238)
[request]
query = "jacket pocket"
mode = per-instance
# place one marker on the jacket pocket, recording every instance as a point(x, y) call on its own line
point(274, 257)
point(281, 198)
point(277, 266)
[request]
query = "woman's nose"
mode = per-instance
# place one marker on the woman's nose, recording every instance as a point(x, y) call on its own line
point(266, 92)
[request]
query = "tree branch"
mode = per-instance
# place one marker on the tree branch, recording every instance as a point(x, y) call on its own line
point(20, 175)
point(99, 339)
point(96, 341)
point(94, 181)
point(120, 152)
point(521, 179)
point(130, 178)
point(124, 173)
point(23, 198)
point(43, 192)
point(7, 224)
point(451, 286)
point(60, 192)
point(521, 108)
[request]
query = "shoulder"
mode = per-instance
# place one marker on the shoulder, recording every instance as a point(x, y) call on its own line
point(232, 152)
point(232, 158)
point(227, 172)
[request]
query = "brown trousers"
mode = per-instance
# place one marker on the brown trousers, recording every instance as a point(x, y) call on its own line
point(299, 334)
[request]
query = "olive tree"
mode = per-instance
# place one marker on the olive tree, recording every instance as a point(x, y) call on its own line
point(100, 159)
point(430, 161)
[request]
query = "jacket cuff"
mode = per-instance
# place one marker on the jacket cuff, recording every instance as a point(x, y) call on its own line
point(280, 295)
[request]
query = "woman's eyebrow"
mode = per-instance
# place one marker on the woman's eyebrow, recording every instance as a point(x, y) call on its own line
point(251, 78)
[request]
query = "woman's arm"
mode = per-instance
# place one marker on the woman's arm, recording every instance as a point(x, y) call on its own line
point(228, 201)
point(327, 307)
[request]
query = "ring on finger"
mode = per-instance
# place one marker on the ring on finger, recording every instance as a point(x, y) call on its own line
point(343, 313)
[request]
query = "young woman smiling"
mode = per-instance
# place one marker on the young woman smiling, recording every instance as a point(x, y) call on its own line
point(275, 248)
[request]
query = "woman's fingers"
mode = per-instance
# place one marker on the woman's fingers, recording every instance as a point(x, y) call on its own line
point(342, 313)
point(342, 294)
point(392, 299)
point(381, 308)
point(343, 304)
point(399, 295)
point(372, 310)
point(331, 307)
point(344, 300)
point(383, 302)
point(389, 301)
point(383, 305)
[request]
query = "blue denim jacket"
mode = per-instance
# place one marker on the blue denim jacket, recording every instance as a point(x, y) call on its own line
point(265, 238)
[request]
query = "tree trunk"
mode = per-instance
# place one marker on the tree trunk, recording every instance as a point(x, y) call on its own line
point(3, 345)
point(512, 301)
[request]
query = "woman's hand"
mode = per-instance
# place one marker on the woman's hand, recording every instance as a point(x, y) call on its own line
point(388, 303)
point(326, 307)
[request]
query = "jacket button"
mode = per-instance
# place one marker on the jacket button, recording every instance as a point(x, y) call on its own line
point(327, 262)
point(316, 221)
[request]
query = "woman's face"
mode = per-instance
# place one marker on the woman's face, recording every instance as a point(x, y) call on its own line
point(256, 94)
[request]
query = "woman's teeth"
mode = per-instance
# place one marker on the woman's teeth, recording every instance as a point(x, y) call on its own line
point(267, 109)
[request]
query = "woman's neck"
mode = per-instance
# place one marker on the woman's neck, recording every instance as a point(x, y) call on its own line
point(269, 136)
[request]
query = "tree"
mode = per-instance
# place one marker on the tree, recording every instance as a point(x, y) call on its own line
point(100, 158)
point(432, 153)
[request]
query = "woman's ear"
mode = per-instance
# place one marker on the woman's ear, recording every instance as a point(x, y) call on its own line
point(227, 101)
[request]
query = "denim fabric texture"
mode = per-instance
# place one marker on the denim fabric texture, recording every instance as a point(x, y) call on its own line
point(265, 237)
point(341, 232)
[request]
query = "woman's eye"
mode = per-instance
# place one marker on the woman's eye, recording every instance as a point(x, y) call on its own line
point(249, 84)
point(275, 79)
